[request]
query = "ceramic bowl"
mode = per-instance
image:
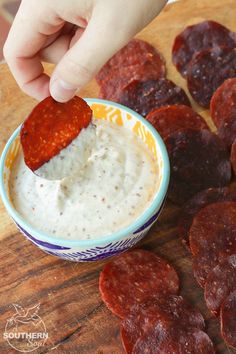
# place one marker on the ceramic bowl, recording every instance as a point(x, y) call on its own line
point(107, 245)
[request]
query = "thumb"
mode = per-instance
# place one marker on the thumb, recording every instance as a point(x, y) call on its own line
point(82, 61)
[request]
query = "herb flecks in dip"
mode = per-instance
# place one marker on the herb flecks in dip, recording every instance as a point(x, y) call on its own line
point(71, 159)
point(112, 186)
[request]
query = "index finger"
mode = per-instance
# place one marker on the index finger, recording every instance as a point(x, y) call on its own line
point(28, 34)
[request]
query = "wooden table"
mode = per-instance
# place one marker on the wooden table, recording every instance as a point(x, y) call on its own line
point(74, 315)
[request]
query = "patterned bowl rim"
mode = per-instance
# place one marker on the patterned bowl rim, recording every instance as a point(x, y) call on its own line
point(118, 235)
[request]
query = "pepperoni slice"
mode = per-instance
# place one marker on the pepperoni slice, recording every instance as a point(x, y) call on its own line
point(223, 102)
point(199, 201)
point(228, 320)
point(212, 238)
point(220, 282)
point(223, 111)
point(195, 38)
point(175, 341)
point(198, 161)
point(51, 127)
point(233, 157)
point(227, 130)
point(143, 97)
point(208, 70)
point(112, 87)
point(127, 61)
point(167, 120)
point(134, 277)
point(144, 317)
point(203, 263)
point(214, 229)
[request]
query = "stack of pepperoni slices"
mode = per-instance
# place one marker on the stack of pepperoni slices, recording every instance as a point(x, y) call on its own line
point(205, 55)
point(201, 169)
point(208, 226)
point(135, 77)
point(142, 289)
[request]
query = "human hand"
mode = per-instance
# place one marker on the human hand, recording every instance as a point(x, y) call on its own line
point(78, 35)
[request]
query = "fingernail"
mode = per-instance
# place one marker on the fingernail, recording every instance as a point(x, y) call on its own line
point(61, 91)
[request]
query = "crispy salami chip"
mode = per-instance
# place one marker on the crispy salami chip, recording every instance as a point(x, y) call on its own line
point(196, 203)
point(146, 316)
point(198, 160)
point(223, 103)
point(136, 54)
point(193, 39)
point(145, 96)
point(233, 157)
point(208, 70)
point(221, 281)
point(134, 277)
point(175, 341)
point(214, 229)
point(227, 131)
point(228, 320)
point(50, 127)
point(111, 88)
point(203, 263)
point(212, 238)
point(169, 119)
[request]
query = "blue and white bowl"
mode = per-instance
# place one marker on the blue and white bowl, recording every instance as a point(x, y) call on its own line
point(108, 245)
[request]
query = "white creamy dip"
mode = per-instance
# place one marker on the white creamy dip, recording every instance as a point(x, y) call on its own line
point(112, 186)
point(71, 159)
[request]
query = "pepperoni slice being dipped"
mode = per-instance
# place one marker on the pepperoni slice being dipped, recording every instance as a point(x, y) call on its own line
point(51, 127)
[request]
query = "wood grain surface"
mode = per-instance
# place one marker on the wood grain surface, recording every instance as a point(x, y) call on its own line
point(74, 315)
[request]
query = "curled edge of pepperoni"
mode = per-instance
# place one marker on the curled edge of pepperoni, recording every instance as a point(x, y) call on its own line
point(233, 156)
point(51, 127)
point(228, 320)
point(220, 282)
point(169, 119)
point(223, 102)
